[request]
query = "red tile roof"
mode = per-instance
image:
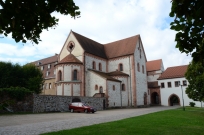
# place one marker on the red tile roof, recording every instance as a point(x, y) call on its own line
point(104, 75)
point(117, 73)
point(90, 46)
point(153, 65)
point(44, 62)
point(121, 47)
point(174, 72)
point(70, 59)
point(153, 84)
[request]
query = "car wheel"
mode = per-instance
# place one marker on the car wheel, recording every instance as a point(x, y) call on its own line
point(93, 112)
point(86, 111)
point(72, 110)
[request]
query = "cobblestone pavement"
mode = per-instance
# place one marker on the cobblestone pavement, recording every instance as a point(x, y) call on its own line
point(33, 124)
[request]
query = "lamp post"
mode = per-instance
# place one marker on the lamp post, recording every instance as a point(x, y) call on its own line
point(182, 98)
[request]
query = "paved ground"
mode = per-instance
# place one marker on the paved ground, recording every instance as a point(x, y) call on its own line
point(33, 124)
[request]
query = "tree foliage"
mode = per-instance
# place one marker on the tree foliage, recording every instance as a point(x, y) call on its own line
point(27, 76)
point(26, 19)
point(195, 77)
point(189, 24)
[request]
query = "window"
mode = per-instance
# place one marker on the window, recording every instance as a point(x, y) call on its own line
point(75, 75)
point(47, 73)
point(42, 67)
point(60, 76)
point(184, 83)
point(101, 89)
point(120, 67)
point(169, 84)
point(177, 83)
point(143, 69)
point(94, 65)
point(123, 87)
point(113, 87)
point(96, 87)
point(138, 67)
point(54, 72)
point(49, 66)
point(162, 85)
point(99, 66)
point(45, 86)
point(50, 85)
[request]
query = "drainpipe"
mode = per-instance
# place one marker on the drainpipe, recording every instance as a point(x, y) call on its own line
point(120, 94)
point(130, 84)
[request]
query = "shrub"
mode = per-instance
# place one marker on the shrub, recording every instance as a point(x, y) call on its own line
point(192, 104)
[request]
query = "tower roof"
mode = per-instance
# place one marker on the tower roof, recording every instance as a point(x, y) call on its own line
point(70, 59)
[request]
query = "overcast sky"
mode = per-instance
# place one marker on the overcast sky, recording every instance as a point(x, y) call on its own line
point(106, 21)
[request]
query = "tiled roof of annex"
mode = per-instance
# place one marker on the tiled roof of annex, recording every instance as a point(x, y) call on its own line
point(174, 72)
point(70, 59)
point(104, 75)
point(153, 65)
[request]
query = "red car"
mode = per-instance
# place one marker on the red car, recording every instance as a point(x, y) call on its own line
point(81, 107)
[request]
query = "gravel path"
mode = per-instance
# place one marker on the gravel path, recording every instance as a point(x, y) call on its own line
point(34, 124)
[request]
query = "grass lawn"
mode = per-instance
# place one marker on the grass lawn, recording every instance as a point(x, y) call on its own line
point(170, 122)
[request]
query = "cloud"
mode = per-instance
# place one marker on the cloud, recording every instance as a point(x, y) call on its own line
point(107, 21)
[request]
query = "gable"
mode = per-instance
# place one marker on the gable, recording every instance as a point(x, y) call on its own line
point(77, 51)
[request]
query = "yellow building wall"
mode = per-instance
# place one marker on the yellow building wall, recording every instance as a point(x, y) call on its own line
point(49, 91)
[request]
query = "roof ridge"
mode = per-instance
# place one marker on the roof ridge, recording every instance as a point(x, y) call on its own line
point(122, 39)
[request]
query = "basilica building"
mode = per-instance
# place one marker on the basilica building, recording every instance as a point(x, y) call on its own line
point(84, 67)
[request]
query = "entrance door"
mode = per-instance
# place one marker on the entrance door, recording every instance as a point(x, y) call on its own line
point(145, 98)
point(174, 100)
point(154, 98)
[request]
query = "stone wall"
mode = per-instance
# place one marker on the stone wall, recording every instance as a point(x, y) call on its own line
point(50, 103)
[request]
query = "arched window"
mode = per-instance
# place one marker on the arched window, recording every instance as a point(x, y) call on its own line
point(123, 87)
point(143, 69)
point(96, 87)
point(99, 66)
point(138, 67)
point(101, 89)
point(120, 67)
point(113, 87)
point(75, 75)
point(94, 65)
point(59, 76)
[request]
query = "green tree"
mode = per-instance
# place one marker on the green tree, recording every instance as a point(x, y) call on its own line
point(26, 19)
point(27, 76)
point(195, 77)
point(189, 24)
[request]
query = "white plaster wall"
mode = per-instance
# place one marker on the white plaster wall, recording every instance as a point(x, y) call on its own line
point(141, 78)
point(113, 64)
point(125, 94)
point(67, 73)
point(152, 78)
point(59, 90)
point(78, 50)
point(114, 95)
point(67, 89)
point(76, 89)
point(93, 79)
point(167, 92)
point(89, 62)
